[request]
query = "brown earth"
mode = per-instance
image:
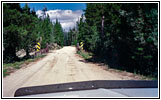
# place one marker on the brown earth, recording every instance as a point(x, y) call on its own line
point(60, 66)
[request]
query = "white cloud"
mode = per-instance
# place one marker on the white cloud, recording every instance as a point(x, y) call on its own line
point(67, 18)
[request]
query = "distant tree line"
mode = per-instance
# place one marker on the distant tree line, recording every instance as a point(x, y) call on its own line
point(71, 37)
point(125, 34)
point(22, 29)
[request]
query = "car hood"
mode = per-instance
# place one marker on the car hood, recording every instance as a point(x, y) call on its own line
point(97, 88)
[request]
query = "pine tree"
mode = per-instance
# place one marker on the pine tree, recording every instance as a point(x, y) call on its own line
point(11, 34)
point(58, 33)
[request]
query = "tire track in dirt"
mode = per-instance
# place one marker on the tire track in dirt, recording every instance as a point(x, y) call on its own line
point(39, 77)
point(19, 78)
point(71, 69)
point(59, 66)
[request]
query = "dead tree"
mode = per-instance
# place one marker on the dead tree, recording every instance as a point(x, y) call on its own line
point(102, 27)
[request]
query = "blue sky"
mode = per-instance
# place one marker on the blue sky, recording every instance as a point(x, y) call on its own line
point(52, 6)
point(66, 13)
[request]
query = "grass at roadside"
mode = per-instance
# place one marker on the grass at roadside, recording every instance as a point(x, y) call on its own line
point(148, 77)
point(84, 54)
point(88, 56)
point(11, 67)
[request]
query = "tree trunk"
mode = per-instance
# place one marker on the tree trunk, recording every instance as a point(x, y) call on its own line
point(27, 52)
point(102, 27)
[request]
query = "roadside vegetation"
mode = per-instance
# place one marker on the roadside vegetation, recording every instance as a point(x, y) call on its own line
point(12, 67)
point(89, 57)
point(22, 29)
point(84, 54)
point(124, 35)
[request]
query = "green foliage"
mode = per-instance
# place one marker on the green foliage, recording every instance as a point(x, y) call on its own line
point(130, 34)
point(140, 49)
point(148, 57)
point(5, 72)
point(71, 37)
point(11, 34)
point(10, 67)
point(44, 30)
point(124, 33)
point(143, 37)
point(22, 29)
point(84, 54)
point(58, 33)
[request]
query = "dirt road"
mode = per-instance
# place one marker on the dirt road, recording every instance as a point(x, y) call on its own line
point(59, 66)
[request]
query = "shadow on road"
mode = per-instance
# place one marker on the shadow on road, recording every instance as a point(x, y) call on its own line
point(109, 62)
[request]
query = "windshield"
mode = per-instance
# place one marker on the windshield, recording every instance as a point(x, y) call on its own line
point(57, 43)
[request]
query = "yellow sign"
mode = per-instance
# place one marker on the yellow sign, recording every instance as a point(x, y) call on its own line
point(38, 46)
point(81, 45)
point(38, 43)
